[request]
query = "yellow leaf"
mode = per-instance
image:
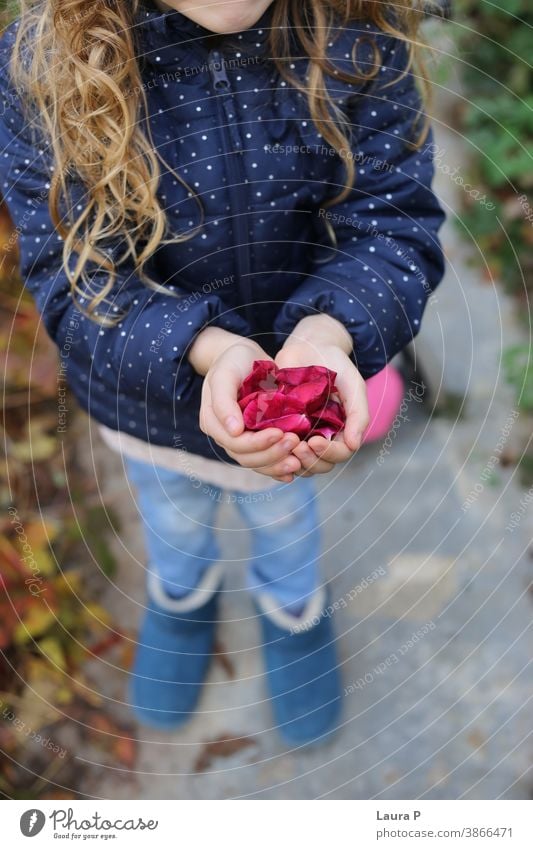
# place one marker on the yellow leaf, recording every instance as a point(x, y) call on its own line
point(100, 614)
point(36, 622)
point(36, 443)
point(40, 448)
point(46, 563)
point(69, 582)
point(53, 651)
point(64, 696)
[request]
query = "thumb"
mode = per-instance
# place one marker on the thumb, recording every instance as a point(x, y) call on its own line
point(224, 385)
point(352, 392)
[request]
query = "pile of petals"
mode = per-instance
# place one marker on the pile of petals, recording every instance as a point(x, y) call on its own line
point(302, 400)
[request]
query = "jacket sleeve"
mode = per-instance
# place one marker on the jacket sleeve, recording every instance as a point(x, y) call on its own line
point(146, 351)
point(388, 257)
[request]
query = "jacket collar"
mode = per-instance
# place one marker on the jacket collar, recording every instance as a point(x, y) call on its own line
point(165, 36)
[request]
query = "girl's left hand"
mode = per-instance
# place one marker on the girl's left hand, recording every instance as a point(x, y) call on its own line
point(322, 340)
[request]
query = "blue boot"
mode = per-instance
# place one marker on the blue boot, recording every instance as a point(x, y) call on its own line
point(174, 648)
point(302, 670)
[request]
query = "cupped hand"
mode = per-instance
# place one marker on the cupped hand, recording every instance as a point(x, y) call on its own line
point(269, 451)
point(317, 341)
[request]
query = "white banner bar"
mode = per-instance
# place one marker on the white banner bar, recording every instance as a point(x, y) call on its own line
point(269, 824)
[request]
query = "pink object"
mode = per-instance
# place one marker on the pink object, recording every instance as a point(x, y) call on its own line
point(301, 400)
point(385, 392)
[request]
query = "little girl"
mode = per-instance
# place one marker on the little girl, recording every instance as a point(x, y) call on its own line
point(197, 185)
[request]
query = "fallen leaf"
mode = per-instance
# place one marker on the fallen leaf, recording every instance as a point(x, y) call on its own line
point(36, 447)
point(103, 645)
point(107, 733)
point(125, 751)
point(222, 747)
point(52, 650)
point(37, 620)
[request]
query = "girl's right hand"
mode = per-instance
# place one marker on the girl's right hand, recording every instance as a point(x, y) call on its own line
point(226, 362)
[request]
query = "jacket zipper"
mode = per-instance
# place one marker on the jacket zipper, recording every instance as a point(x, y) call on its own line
point(233, 152)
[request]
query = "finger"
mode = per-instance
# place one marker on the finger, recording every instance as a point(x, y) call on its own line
point(352, 392)
point(274, 455)
point(247, 442)
point(224, 400)
point(310, 473)
point(279, 478)
point(285, 467)
point(310, 461)
point(332, 451)
point(251, 442)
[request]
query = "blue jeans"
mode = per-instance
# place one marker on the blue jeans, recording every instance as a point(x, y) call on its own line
point(178, 514)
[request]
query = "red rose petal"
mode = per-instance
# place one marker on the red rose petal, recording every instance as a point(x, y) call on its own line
point(297, 423)
point(256, 419)
point(332, 413)
point(311, 395)
point(301, 400)
point(304, 374)
point(261, 369)
point(327, 431)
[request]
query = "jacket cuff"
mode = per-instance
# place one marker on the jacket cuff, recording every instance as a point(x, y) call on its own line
point(372, 347)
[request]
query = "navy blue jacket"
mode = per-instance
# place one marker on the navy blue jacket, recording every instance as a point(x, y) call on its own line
point(244, 142)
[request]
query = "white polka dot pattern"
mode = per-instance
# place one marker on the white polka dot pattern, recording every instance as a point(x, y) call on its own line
point(245, 143)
